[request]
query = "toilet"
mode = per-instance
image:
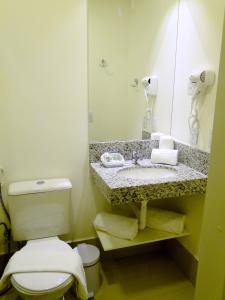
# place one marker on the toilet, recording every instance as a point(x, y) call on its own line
point(39, 212)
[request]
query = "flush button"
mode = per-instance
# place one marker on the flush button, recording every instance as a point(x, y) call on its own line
point(40, 182)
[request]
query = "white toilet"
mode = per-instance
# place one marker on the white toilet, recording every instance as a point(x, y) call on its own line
point(39, 212)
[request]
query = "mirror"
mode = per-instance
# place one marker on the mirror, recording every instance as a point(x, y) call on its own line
point(131, 39)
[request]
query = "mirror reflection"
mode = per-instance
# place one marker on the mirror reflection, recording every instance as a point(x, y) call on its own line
point(152, 68)
point(128, 41)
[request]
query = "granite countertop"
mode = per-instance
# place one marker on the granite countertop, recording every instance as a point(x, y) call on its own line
point(119, 190)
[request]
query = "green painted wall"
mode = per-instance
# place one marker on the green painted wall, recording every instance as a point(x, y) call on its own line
point(211, 275)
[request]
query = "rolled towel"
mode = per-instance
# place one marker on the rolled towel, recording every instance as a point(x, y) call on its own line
point(165, 220)
point(166, 142)
point(164, 156)
point(155, 136)
point(119, 226)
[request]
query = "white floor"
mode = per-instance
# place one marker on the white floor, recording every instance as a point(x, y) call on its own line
point(142, 277)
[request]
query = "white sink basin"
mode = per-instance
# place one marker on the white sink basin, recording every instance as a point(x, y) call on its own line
point(147, 172)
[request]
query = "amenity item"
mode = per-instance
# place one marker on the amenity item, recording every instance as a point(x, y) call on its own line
point(155, 136)
point(165, 220)
point(164, 156)
point(111, 160)
point(117, 225)
point(166, 142)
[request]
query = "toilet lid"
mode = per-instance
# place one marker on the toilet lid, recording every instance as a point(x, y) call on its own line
point(39, 281)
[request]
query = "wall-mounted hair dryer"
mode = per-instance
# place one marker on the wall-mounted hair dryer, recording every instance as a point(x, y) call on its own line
point(200, 81)
point(150, 84)
point(198, 84)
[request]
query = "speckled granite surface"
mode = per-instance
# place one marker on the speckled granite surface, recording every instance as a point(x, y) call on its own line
point(192, 157)
point(143, 148)
point(191, 176)
point(146, 135)
point(120, 190)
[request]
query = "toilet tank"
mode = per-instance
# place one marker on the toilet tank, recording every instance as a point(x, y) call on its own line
point(39, 208)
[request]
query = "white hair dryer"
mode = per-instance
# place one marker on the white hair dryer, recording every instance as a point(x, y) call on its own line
point(150, 84)
point(200, 81)
point(198, 84)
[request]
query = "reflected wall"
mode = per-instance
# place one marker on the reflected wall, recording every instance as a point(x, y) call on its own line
point(168, 39)
point(198, 47)
point(127, 41)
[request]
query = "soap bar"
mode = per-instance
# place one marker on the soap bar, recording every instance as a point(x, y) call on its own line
point(110, 160)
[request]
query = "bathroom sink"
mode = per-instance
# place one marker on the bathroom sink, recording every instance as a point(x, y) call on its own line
point(142, 173)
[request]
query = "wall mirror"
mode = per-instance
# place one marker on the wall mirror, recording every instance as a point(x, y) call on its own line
point(130, 40)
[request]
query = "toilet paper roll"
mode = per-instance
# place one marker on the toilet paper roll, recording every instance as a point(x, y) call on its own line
point(155, 136)
point(166, 142)
point(164, 156)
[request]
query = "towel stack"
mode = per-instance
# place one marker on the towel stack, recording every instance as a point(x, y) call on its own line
point(116, 225)
point(165, 220)
point(166, 153)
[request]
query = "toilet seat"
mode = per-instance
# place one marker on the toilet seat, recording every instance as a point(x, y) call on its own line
point(36, 282)
point(39, 282)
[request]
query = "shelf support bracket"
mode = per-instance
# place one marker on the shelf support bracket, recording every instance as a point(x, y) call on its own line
point(143, 215)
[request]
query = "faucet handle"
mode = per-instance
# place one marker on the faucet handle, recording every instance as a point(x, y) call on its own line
point(135, 156)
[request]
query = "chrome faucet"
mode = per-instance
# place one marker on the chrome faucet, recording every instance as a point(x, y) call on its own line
point(135, 157)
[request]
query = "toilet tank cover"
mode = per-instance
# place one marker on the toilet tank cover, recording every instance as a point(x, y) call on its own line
point(39, 186)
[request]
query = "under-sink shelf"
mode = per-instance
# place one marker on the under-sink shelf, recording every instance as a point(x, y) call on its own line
point(145, 236)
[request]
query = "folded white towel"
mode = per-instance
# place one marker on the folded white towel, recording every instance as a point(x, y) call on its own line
point(29, 260)
point(119, 226)
point(165, 220)
point(155, 136)
point(164, 156)
point(166, 142)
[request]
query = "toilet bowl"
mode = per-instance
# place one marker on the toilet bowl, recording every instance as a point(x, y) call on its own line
point(43, 285)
